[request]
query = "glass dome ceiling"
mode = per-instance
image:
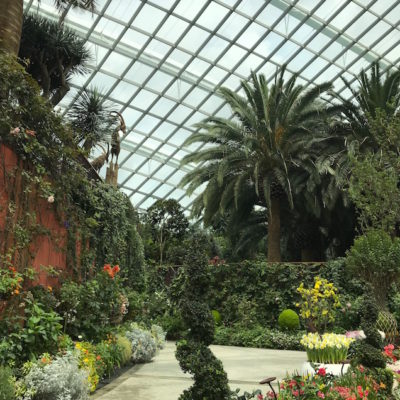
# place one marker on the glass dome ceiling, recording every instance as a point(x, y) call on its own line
point(161, 62)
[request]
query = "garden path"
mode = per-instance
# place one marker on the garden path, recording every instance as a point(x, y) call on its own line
point(163, 377)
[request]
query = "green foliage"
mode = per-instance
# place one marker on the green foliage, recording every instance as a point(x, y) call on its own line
point(7, 391)
point(257, 336)
point(125, 348)
point(112, 352)
point(217, 317)
point(29, 335)
point(373, 189)
point(368, 352)
point(92, 308)
point(193, 354)
point(166, 222)
point(289, 320)
point(375, 258)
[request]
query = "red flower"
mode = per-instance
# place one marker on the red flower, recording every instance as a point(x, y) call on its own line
point(321, 372)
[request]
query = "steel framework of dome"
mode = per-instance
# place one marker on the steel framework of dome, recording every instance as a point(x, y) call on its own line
point(161, 62)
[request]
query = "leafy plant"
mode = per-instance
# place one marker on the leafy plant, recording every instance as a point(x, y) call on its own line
point(88, 361)
point(375, 258)
point(59, 378)
point(144, 346)
point(7, 386)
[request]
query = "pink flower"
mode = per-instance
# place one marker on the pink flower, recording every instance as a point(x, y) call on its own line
point(320, 395)
point(15, 131)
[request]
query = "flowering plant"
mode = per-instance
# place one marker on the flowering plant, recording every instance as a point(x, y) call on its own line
point(10, 282)
point(111, 271)
point(328, 348)
point(318, 304)
point(89, 361)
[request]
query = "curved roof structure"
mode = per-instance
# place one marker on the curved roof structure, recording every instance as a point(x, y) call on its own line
point(161, 62)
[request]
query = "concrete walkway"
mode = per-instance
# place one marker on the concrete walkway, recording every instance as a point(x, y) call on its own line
point(163, 377)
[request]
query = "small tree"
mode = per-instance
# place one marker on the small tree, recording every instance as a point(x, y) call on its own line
point(167, 222)
point(375, 258)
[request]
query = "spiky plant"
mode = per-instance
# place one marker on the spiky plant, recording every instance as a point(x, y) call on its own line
point(91, 119)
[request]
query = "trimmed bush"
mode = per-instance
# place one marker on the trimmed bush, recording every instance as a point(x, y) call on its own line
point(289, 320)
point(217, 317)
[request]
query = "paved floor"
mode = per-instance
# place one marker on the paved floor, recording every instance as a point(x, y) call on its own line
point(163, 377)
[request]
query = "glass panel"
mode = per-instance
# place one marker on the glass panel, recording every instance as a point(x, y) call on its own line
point(212, 16)
point(148, 19)
point(172, 29)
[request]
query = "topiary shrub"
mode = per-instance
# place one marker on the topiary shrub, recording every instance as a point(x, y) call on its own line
point(289, 320)
point(387, 323)
point(217, 317)
point(368, 352)
point(7, 391)
point(144, 346)
point(193, 354)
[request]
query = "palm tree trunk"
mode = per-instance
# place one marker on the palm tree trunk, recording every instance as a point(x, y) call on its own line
point(274, 231)
point(11, 14)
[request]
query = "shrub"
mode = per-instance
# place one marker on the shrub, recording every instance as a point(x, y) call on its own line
point(126, 349)
point(60, 378)
point(257, 336)
point(143, 344)
point(173, 324)
point(289, 320)
point(375, 258)
point(217, 317)
point(109, 355)
point(159, 336)
point(7, 391)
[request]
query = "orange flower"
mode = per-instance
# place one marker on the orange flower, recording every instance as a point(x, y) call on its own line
point(30, 132)
point(16, 291)
point(107, 267)
point(116, 269)
point(49, 288)
point(98, 358)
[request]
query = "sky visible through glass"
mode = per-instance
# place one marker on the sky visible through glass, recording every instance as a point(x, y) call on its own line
point(162, 61)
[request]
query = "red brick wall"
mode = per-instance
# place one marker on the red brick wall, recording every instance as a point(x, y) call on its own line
point(45, 250)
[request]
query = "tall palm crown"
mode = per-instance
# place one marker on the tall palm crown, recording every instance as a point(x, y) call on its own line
point(11, 15)
point(374, 92)
point(274, 133)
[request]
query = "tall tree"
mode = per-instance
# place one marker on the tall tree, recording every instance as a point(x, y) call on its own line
point(252, 157)
point(11, 16)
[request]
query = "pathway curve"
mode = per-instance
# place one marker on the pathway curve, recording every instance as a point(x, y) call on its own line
point(163, 377)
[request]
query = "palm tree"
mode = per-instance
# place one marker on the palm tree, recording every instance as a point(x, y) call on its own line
point(11, 16)
point(374, 92)
point(274, 134)
point(54, 54)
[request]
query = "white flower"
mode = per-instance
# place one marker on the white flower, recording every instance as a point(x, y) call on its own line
point(50, 199)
